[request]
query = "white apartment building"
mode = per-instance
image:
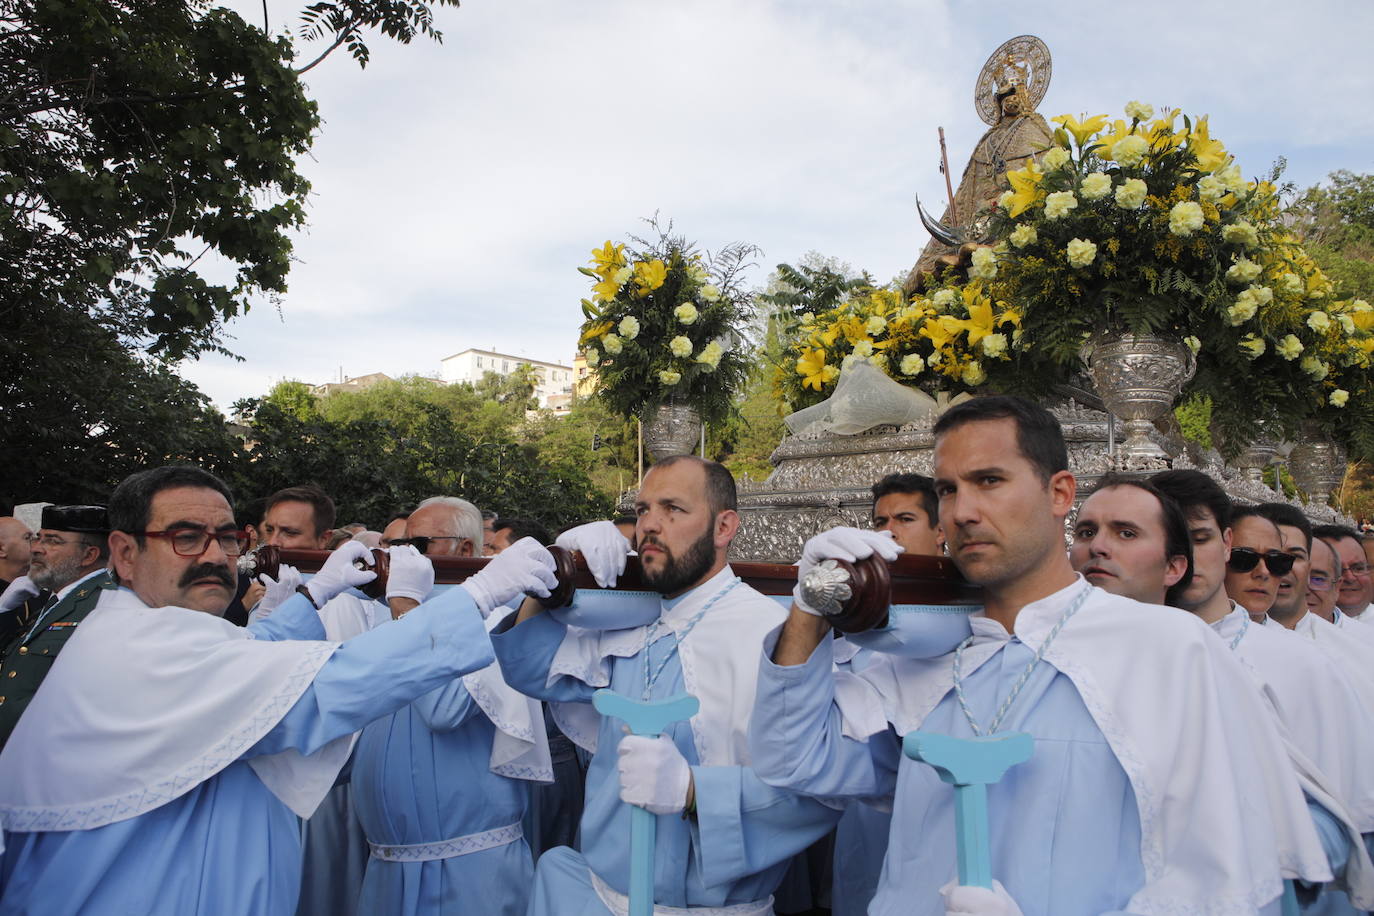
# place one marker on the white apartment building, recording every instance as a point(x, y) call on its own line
point(553, 388)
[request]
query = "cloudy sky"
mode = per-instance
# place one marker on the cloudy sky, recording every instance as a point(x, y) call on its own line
point(457, 187)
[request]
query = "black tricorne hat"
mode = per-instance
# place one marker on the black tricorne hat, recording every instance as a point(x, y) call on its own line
point(84, 519)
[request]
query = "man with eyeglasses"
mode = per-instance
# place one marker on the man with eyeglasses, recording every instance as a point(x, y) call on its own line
point(441, 785)
point(164, 765)
point(1323, 580)
point(67, 561)
point(1356, 585)
point(1344, 647)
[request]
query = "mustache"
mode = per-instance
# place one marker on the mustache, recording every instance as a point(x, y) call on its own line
point(208, 571)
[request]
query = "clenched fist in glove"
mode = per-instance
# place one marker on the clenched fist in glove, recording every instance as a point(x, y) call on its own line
point(409, 575)
point(278, 590)
point(962, 900)
point(525, 567)
point(341, 572)
point(848, 544)
point(602, 546)
point(653, 774)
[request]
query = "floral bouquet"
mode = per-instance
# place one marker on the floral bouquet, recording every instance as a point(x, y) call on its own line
point(952, 340)
point(663, 325)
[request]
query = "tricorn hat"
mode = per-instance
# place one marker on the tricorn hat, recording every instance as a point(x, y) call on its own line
point(87, 519)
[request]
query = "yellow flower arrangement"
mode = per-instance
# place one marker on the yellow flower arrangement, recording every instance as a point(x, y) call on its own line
point(661, 324)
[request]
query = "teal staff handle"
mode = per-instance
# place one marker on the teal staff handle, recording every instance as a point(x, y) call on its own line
point(970, 765)
point(648, 719)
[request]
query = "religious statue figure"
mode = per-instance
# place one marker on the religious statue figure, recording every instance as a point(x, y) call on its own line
point(1010, 86)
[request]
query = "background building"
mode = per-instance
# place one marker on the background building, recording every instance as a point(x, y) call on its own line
point(553, 382)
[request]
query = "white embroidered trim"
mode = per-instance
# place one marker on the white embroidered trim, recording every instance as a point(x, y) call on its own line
point(141, 801)
point(619, 904)
point(447, 849)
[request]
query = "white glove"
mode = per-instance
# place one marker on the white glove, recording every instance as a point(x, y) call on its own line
point(603, 547)
point(841, 544)
point(340, 573)
point(410, 575)
point(278, 590)
point(19, 591)
point(961, 900)
point(525, 567)
point(653, 774)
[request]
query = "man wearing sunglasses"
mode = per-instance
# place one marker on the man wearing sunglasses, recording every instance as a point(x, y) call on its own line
point(1321, 711)
point(1344, 646)
point(450, 773)
point(1257, 561)
point(164, 766)
point(1356, 585)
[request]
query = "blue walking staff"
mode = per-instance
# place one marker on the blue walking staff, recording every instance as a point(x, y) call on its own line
point(648, 719)
point(971, 765)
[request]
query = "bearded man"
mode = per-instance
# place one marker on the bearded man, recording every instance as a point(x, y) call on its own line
point(724, 837)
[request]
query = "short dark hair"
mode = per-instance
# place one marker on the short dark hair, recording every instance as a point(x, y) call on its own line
point(1038, 434)
point(101, 542)
point(1194, 490)
point(131, 502)
point(1176, 540)
point(523, 528)
point(720, 483)
point(1337, 533)
point(250, 513)
point(1284, 514)
point(916, 484)
point(321, 506)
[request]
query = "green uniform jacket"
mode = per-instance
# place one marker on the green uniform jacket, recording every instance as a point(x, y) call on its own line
point(29, 656)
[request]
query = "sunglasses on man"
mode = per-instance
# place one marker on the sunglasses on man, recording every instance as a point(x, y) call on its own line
point(1244, 559)
point(421, 542)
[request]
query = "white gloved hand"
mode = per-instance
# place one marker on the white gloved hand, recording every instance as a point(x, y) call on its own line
point(962, 900)
point(525, 567)
point(339, 572)
point(19, 591)
point(602, 546)
point(653, 774)
point(848, 544)
point(278, 590)
point(410, 575)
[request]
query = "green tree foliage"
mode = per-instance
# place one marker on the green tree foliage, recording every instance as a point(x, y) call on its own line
point(1336, 225)
point(82, 412)
point(295, 398)
point(138, 137)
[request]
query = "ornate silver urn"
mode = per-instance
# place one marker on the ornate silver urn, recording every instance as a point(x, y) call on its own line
point(1139, 377)
point(1317, 464)
point(1258, 455)
point(672, 429)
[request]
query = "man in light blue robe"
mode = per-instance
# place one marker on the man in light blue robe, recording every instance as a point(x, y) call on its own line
point(164, 764)
point(1130, 801)
point(724, 837)
point(441, 785)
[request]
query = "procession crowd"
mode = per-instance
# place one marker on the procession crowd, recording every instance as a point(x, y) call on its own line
point(184, 732)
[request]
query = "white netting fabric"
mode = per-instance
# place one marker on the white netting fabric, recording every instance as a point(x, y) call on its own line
point(864, 398)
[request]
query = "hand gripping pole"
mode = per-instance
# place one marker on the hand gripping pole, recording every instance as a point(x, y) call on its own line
point(648, 719)
point(970, 765)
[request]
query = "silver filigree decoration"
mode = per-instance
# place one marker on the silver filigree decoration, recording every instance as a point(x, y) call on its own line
point(825, 587)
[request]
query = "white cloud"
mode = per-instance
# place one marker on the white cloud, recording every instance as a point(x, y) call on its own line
point(458, 186)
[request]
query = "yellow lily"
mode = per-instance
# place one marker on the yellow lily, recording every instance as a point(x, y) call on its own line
point(942, 331)
point(1211, 155)
point(979, 323)
point(813, 370)
point(595, 331)
point(649, 275)
point(1025, 187)
point(608, 259)
point(1081, 130)
point(605, 290)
